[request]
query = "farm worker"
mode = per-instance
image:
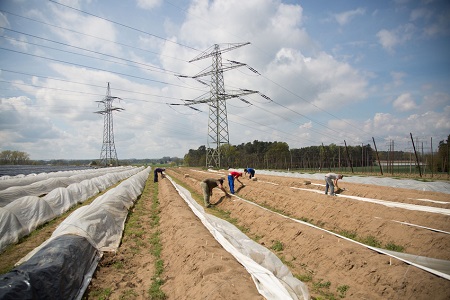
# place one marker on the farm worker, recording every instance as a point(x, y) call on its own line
point(207, 187)
point(250, 171)
point(331, 180)
point(231, 177)
point(158, 170)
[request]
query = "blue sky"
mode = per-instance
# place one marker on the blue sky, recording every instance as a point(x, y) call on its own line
point(334, 71)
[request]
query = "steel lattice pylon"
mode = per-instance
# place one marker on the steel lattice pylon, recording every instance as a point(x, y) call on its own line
point(217, 118)
point(108, 155)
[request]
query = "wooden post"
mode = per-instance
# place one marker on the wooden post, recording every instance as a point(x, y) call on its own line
point(432, 166)
point(378, 158)
point(348, 156)
point(417, 158)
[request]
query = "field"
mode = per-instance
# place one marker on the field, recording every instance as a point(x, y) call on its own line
point(165, 246)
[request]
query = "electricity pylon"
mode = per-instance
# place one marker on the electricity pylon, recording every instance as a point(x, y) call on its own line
point(218, 134)
point(108, 155)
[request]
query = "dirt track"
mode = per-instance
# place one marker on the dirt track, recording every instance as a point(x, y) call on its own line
point(196, 267)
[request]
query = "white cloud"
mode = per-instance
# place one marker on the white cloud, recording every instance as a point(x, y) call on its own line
point(3, 22)
point(387, 39)
point(397, 80)
point(404, 102)
point(268, 25)
point(389, 126)
point(345, 17)
point(420, 13)
point(94, 33)
point(22, 125)
point(306, 125)
point(436, 100)
point(148, 4)
point(440, 26)
point(390, 39)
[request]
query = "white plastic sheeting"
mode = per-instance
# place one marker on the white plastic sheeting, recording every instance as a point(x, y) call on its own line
point(41, 185)
point(272, 278)
point(62, 266)
point(23, 215)
point(102, 221)
point(436, 186)
point(21, 180)
point(430, 209)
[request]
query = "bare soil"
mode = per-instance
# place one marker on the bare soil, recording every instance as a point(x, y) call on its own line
point(197, 267)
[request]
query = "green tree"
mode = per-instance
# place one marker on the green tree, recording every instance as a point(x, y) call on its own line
point(8, 157)
point(278, 155)
point(442, 159)
point(228, 154)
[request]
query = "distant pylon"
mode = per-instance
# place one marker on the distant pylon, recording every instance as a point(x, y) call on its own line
point(108, 155)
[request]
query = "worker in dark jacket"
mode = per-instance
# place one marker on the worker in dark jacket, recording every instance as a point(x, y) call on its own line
point(158, 170)
point(250, 171)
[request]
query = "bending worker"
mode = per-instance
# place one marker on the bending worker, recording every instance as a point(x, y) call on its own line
point(231, 177)
point(207, 187)
point(158, 170)
point(250, 171)
point(331, 180)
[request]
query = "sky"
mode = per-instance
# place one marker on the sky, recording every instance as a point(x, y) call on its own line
point(326, 72)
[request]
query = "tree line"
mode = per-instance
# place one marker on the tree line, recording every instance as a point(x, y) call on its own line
point(10, 157)
point(278, 155)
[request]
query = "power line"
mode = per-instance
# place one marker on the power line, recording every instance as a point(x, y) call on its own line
point(84, 49)
point(93, 36)
point(87, 93)
point(93, 68)
point(123, 25)
point(82, 83)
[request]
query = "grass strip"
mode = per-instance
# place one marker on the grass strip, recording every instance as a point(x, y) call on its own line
point(155, 291)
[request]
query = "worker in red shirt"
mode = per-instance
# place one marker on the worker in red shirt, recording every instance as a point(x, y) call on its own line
point(231, 177)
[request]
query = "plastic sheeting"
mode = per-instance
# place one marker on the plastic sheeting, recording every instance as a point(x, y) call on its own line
point(430, 209)
point(272, 278)
point(23, 215)
point(16, 189)
point(55, 272)
point(62, 266)
point(21, 180)
point(102, 222)
point(436, 186)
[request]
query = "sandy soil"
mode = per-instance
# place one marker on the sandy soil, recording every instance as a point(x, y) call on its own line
point(197, 267)
point(323, 258)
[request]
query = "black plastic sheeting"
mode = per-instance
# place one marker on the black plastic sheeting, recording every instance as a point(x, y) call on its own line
point(56, 271)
